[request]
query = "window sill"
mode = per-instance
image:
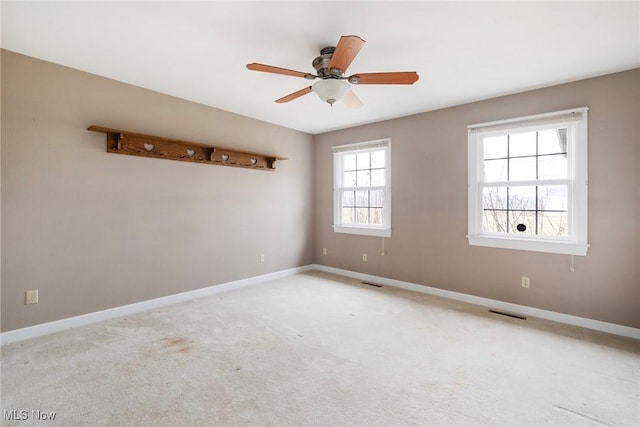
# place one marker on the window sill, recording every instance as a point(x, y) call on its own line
point(363, 231)
point(548, 246)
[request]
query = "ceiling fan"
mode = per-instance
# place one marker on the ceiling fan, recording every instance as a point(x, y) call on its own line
point(331, 66)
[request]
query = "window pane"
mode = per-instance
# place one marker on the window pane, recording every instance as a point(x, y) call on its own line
point(349, 162)
point(522, 169)
point(522, 144)
point(552, 141)
point(495, 170)
point(522, 198)
point(528, 219)
point(377, 177)
point(363, 161)
point(362, 215)
point(348, 198)
point(495, 147)
point(348, 215)
point(377, 159)
point(362, 198)
point(552, 167)
point(494, 221)
point(494, 198)
point(364, 178)
point(376, 198)
point(377, 216)
point(552, 224)
point(349, 179)
point(553, 198)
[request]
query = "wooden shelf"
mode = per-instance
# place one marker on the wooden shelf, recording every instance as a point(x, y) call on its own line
point(136, 144)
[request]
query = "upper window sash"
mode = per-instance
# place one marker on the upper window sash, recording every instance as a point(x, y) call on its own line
point(339, 165)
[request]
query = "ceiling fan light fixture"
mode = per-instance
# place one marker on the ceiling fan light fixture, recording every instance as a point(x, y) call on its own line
point(331, 90)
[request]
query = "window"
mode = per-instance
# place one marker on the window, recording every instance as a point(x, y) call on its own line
point(362, 188)
point(528, 183)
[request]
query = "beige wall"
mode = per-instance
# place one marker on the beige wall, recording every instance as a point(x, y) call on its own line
point(92, 230)
point(429, 206)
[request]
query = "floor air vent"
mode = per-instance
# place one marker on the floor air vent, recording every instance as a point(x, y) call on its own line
point(371, 284)
point(508, 314)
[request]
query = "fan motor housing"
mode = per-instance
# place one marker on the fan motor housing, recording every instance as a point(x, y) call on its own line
point(321, 64)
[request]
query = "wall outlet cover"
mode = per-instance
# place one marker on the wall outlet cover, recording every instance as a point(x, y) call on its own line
point(31, 297)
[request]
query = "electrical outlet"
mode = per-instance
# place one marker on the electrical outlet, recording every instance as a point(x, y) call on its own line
point(31, 297)
point(526, 282)
point(261, 257)
point(364, 257)
point(324, 251)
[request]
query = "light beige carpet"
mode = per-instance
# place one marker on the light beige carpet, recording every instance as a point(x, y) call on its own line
point(317, 349)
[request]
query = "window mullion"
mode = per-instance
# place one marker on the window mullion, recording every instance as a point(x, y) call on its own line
point(529, 183)
point(364, 188)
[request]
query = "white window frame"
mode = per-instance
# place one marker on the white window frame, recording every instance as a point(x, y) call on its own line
point(339, 152)
point(575, 243)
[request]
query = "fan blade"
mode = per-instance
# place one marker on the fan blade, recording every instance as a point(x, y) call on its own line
point(294, 95)
point(399, 78)
point(277, 70)
point(347, 49)
point(351, 100)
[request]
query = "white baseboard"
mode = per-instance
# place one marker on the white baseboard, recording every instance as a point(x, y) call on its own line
point(597, 325)
point(127, 310)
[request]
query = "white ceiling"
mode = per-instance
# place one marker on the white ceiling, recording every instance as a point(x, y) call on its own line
point(198, 50)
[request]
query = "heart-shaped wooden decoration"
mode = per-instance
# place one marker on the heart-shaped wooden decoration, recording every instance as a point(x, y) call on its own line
point(254, 160)
point(149, 147)
point(225, 157)
point(191, 152)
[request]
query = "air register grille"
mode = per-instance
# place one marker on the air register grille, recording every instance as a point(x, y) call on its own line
point(371, 284)
point(508, 314)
